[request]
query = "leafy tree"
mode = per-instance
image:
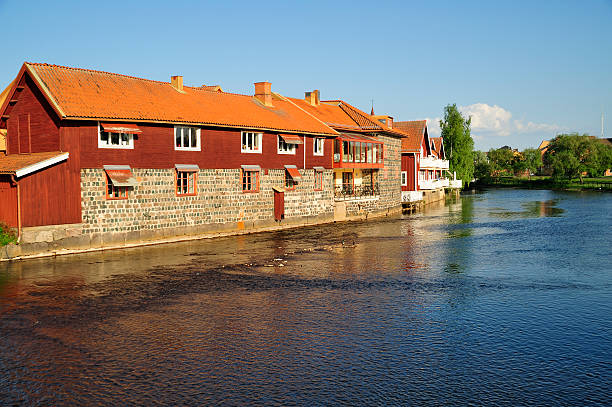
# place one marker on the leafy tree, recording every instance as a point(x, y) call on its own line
point(482, 168)
point(572, 155)
point(458, 143)
point(501, 160)
point(533, 160)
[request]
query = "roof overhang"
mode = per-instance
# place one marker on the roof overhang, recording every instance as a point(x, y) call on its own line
point(40, 165)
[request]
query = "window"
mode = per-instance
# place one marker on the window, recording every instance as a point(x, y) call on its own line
point(317, 148)
point(284, 147)
point(186, 138)
point(115, 140)
point(186, 183)
point(404, 178)
point(251, 142)
point(337, 150)
point(318, 180)
point(347, 182)
point(250, 181)
point(290, 183)
point(113, 192)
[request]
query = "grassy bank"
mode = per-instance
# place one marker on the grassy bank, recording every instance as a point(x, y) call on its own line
point(7, 235)
point(541, 182)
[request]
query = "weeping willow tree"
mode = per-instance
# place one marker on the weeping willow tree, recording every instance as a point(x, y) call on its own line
point(458, 143)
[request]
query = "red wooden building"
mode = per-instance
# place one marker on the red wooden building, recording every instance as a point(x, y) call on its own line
point(60, 121)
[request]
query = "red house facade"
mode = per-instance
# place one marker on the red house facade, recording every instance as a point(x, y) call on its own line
point(122, 159)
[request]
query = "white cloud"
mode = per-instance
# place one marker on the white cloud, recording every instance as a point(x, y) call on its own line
point(489, 123)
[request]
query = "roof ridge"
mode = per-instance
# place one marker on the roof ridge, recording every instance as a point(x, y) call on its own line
point(94, 70)
point(128, 76)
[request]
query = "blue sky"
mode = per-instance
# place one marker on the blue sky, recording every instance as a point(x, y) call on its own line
point(524, 71)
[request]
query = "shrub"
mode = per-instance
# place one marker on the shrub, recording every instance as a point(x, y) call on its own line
point(7, 234)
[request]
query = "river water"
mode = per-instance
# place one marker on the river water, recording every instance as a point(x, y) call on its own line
point(500, 298)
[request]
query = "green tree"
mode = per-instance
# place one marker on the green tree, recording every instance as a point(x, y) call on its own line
point(482, 168)
point(458, 143)
point(501, 160)
point(571, 155)
point(533, 160)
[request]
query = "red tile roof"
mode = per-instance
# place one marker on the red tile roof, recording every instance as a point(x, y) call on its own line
point(414, 131)
point(343, 116)
point(10, 164)
point(437, 145)
point(334, 115)
point(87, 94)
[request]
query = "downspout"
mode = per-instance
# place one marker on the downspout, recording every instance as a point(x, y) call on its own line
point(14, 181)
point(305, 152)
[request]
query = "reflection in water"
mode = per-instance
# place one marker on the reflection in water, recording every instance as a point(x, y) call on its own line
point(531, 209)
point(455, 304)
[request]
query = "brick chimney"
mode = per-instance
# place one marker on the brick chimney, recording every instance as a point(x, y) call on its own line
point(263, 93)
point(177, 82)
point(312, 97)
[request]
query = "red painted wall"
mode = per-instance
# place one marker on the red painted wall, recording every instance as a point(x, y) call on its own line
point(408, 166)
point(31, 112)
point(49, 197)
point(154, 148)
point(8, 202)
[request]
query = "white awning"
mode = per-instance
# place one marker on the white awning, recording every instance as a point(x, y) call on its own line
point(187, 167)
point(251, 167)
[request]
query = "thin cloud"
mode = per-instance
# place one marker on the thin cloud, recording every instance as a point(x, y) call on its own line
point(494, 122)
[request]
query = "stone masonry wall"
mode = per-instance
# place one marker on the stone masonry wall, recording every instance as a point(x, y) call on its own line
point(153, 204)
point(389, 183)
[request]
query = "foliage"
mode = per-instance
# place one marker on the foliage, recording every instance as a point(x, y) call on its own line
point(533, 159)
point(573, 155)
point(482, 167)
point(7, 235)
point(458, 143)
point(501, 160)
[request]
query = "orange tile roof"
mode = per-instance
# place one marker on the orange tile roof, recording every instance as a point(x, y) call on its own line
point(333, 115)
point(87, 94)
point(414, 131)
point(9, 164)
point(437, 145)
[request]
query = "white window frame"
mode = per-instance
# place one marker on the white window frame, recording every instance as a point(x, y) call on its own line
point(316, 141)
point(198, 139)
point(244, 148)
point(101, 144)
point(404, 178)
point(288, 148)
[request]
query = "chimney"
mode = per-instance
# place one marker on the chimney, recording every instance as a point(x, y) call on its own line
point(313, 97)
point(177, 82)
point(263, 93)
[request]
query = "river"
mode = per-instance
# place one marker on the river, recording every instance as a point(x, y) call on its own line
point(500, 298)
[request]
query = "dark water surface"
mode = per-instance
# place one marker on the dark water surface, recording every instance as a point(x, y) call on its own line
point(501, 298)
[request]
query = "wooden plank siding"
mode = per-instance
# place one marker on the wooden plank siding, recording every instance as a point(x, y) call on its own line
point(32, 126)
point(154, 148)
point(8, 202)
point(409, 167)
point(51, 196)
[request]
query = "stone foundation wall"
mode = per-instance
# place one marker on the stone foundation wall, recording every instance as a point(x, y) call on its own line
point(153, 204)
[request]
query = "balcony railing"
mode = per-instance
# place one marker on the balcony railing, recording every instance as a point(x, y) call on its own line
point(352, 192)
point(435, 163)
point(433, 183)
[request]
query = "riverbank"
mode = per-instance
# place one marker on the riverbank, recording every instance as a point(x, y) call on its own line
point(50, 241)
point(542, 182)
